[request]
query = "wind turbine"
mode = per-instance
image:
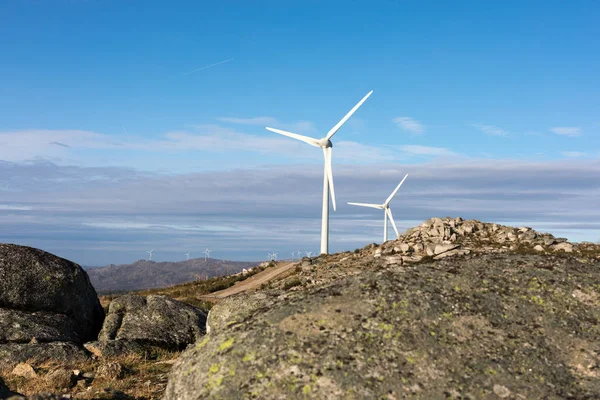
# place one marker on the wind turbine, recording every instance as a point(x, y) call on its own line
point(207, 254)
point(326, 145)
point(150, 254)
point(386, 210)
point(187, 255)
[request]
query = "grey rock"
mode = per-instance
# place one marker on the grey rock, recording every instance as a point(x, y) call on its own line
point(377, 252)
point(61, 379)
point(12, 354)
point(442, 248)
point(225, 313)
point(383, 334)
point(24, 370)
point(405, 247)
point(110, 371)
point(549, 240)
point(430, 249)
point(412, 258)
point(34, 280)
point(393, 260)
point(538, 247)
point(153, 320)
point(455, 252)
point(117, 348)
point(563, 246)
point(21, 327)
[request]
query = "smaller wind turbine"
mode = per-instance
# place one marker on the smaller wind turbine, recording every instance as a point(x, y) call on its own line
point(274, 256)
point(150, 254)
point(386, 210)
point(187, 255)
point(293, 255)
point(308, 253)
point(207, 254)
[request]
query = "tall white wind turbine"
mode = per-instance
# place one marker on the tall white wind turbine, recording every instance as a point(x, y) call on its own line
point(326, 145)
point(187, 255)
point(207, 254)
point(387, 212)
point(150, 254)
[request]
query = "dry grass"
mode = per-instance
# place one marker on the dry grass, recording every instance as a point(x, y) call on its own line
point(141, 378)
point(190, 292)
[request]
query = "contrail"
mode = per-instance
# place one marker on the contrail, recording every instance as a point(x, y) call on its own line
point(209, 66)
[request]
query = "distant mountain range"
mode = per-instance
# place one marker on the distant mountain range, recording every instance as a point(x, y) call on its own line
point(144, 274)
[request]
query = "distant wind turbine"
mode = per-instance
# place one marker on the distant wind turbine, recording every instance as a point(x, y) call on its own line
point(387, 212)
point(207, 254)
point(150, 254)
point(187, 255)
point(308, 253)
point(326, 145)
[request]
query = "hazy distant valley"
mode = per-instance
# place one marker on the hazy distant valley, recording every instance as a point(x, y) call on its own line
point(145, 274)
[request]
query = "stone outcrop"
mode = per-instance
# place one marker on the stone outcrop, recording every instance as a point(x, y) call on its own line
point(478, 326)
point(48, 308)
point(33, 280)
point(12, 354)
point(153, 320)
point(445, 237)
point(22, 326)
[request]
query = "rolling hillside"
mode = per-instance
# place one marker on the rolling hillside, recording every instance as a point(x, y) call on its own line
point(144, 274)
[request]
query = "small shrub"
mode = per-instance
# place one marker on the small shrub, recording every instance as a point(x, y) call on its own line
point(292, 283)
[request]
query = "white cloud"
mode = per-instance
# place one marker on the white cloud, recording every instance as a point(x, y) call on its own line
point(249, 121)
point(77, 211)
point(571, 131)
point(573, 154)
point(9, 207)
point(409, 124)
point(299, 126)
point(426, 150)
point(490, 130)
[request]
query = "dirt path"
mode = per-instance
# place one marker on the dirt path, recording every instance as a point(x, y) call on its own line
point(253, 282)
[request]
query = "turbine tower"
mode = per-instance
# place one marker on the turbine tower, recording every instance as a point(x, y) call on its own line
point(326, 145)
point(187, 255)
point(386, 210)
point(150, 254)
point(207, 254)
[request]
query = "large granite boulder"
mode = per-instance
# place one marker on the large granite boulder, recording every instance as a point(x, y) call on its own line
point(153, 320)
point(482, 326)
point(12, 354)
point(33, 280)
point(22, 327)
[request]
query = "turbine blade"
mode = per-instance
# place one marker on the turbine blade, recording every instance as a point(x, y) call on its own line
point(389, 213)
point(343, 120)
point(305, 139)
point(327, 154)
point(396, 190)
point(377, 206)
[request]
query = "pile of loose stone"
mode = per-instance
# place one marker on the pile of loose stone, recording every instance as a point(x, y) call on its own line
point(443, 237)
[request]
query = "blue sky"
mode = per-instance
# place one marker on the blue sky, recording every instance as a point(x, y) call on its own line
point(97, 97)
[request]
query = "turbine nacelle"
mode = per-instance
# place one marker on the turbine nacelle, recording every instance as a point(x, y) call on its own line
point(325, 143)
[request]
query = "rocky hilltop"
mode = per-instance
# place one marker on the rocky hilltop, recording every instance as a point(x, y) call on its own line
point(453, 308)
